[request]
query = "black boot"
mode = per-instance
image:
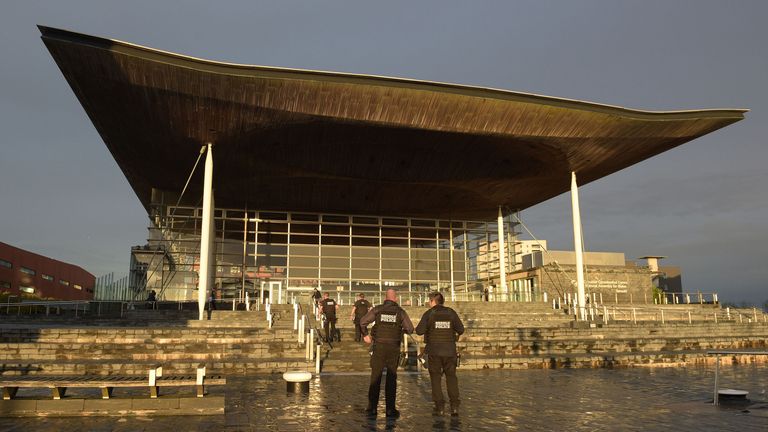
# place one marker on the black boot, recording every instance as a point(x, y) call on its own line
point(370, 411)
point(393, 413)
point(439, 409)
point(454, 411)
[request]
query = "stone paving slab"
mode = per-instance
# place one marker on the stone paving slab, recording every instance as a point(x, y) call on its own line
point(137, 406)
point(677, 399)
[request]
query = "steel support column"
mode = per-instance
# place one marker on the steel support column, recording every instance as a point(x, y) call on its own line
point(206, 237)
point(578, 248)
point(502, 256)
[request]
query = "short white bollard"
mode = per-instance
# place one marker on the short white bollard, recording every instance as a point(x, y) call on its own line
point(317, 360)
point(297, 381)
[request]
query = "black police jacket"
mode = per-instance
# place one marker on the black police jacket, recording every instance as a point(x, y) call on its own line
point(440, 326)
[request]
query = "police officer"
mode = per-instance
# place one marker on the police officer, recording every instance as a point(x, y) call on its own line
point(391, 322)
point(328, 307)
point(362, 306)
point(441, 326)
point(316, 296)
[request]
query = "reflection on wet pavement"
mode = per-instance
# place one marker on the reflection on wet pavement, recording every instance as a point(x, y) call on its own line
point(524, 400)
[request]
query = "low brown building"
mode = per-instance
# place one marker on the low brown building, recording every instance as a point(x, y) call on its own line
point(23, 272)
point(608, 276)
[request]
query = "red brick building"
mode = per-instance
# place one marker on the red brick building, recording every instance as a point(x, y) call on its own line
point(29, 273)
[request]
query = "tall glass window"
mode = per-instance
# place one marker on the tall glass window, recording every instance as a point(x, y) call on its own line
point(255, 250)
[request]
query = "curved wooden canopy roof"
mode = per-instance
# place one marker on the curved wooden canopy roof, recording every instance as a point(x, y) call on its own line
point(299, 140)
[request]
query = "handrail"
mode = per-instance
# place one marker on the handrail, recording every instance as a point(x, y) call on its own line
point(664, 313)
point(718, 353)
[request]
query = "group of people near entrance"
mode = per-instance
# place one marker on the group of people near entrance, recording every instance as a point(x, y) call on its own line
point(440, 326)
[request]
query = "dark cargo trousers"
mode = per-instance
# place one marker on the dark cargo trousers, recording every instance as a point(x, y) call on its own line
point(358, 331)
point(383, 356)
point(439, 365)
point(329, 325)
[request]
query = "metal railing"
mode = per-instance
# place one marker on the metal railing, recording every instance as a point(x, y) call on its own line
point(79, 307)
point(669, 313)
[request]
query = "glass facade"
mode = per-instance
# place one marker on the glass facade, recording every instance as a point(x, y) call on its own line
point(300, 251)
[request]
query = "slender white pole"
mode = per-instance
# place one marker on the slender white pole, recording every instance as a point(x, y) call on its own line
point(204, 275)
point(295, 316)
point(578, 247)
point(453, 284)
point(502, 255)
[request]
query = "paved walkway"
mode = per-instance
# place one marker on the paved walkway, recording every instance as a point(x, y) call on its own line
point(530, 400)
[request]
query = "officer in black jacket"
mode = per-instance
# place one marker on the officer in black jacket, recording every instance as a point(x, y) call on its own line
point(391, 322)
point(328, 307)
point(441, 326)
point(362, 306)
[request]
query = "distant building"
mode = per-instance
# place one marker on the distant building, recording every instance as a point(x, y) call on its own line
point(666, 278)
point(527, 247)
point(607, 275)
point(24, 272)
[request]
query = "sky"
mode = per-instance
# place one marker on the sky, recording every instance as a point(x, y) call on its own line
point(704, 205)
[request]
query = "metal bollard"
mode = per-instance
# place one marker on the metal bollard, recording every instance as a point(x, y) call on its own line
point(317, 360)
point(662, 316)
point(295, 316)
point(717, 379)
point(308, 347)
point(689, 318)
point(634, 316)
point(312, 343)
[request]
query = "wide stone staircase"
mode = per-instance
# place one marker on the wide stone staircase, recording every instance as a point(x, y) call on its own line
point(533, 335)
point(498, 335)
point(229, 343)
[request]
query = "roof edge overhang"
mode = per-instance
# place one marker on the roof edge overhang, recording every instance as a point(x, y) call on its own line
point(235, 69)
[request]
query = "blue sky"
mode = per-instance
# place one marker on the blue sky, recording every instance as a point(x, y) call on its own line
point(704, 204)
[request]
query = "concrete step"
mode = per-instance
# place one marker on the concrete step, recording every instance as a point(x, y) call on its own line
point(230, 366)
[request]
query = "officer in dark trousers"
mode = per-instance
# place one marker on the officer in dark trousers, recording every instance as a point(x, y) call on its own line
point(441, 326)
point(328, 307)
point(362, 306)
point(391, 322)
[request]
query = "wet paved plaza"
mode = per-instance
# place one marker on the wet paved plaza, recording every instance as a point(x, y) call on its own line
point(668, 399)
